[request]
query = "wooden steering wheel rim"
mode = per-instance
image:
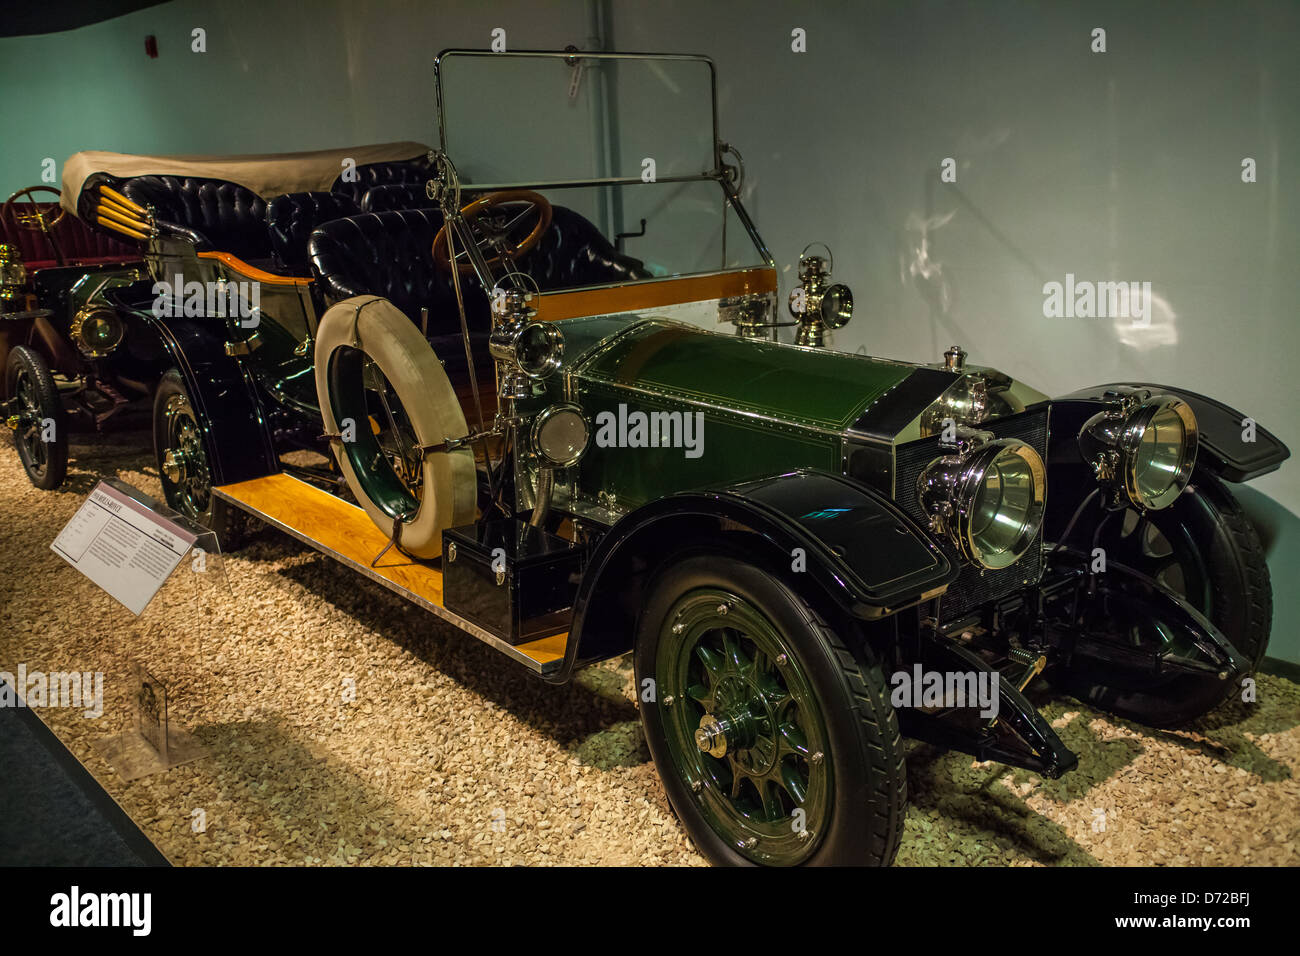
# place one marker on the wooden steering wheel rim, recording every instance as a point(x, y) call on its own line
point(440, 252)
point(34, 221)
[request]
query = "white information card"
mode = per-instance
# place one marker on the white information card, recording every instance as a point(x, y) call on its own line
point(122, 546)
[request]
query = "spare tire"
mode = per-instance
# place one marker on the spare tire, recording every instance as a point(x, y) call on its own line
point(368, 326)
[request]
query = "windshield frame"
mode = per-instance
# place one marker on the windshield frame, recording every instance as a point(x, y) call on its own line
point(719, 174)
point(572, 57)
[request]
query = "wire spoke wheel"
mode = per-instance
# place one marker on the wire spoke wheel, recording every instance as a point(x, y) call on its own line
point(746, 730)
point(184, 470)
point(394, 433)
point(28, 427)
point(185, 475)
point(36, 418)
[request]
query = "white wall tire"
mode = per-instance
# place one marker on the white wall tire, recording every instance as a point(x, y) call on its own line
point(377, 328)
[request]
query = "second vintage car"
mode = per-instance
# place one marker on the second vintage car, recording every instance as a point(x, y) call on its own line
point(70, 359)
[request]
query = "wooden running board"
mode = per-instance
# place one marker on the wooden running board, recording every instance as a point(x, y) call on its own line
point(345, 533)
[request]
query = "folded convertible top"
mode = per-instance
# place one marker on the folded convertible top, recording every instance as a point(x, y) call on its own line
point(270, 174)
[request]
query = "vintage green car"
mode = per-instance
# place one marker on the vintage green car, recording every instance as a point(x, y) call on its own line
point(577, 438)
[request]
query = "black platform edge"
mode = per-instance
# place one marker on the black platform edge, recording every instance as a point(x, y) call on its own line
point(1278, 668)
point(96, 795)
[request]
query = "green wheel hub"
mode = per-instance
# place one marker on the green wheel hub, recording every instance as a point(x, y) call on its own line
point(744, 727)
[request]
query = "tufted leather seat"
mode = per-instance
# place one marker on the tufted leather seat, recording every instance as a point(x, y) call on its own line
point(219, 215)
point(396, 196)
point(370, 175)
point(388, 254)
point(293, 217)
point(391, 254)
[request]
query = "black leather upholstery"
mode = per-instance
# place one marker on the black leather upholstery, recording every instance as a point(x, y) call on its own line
point(222, 215)
point(371, 175)
point(293, 217)
point(396, 196)
point(390, 254)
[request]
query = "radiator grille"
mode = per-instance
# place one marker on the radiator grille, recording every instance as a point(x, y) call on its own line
point(974, 585)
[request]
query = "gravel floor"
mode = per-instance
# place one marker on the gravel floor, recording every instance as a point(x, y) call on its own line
point(451, 754)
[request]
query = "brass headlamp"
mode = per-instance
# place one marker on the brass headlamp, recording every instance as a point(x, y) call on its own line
point(817, 306)
point(96, 330)
point(13, 274)
point(1141, 448)
point(988, 496)
point(525, 350)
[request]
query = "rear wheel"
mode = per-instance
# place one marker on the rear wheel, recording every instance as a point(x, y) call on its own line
point(37, 418)
point(1204, 548)
point(183, 463)
point(776, 744)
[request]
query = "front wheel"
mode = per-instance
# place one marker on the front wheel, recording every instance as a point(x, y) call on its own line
point(37, 418)
point(776, 744)
point(183, 463)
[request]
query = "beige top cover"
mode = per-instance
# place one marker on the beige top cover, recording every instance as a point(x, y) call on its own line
point(271, 174)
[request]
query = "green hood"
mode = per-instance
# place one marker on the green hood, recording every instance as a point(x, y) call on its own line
point(813, 387)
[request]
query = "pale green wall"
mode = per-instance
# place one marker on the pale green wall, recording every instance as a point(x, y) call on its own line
point(277, 76)
point(1116, 166)
point(1123, 165)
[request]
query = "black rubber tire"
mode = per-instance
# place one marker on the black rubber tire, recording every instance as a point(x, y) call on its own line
point(1239, 595)
point(227, 522)
point(26, 361)
point(870, 778)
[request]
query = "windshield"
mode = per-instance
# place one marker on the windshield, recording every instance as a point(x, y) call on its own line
point(626, 142)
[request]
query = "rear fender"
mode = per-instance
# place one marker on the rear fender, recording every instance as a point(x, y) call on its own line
point(223, 395)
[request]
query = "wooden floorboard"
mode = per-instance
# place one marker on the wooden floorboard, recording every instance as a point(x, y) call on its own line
point(346, 532)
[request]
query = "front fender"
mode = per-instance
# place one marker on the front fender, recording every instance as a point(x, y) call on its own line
point(859, 551)
point(1222, 450)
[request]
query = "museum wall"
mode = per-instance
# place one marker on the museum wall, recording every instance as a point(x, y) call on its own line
point(1125, 165)
point(277, 75)
point(1116, 166)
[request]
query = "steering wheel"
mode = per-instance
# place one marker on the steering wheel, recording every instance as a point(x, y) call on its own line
point(493, 224)
point(35, 220)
